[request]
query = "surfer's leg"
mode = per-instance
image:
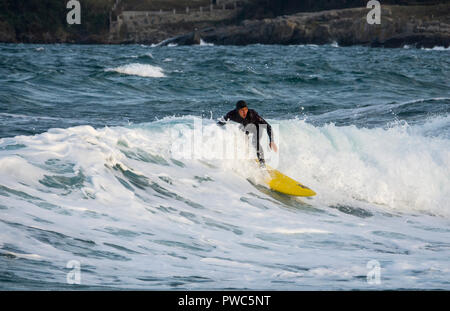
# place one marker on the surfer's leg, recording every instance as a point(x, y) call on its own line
point(256, 141)
point(259, 149)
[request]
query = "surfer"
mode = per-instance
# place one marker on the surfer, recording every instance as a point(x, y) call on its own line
point(251, 121)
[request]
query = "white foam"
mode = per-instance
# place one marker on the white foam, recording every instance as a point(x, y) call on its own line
point(142, 70)
point(27, 256)
point(203, 43)
point(398, 168)
point(299, 231)
point(18, 170)
point(221, 262)
point(201, 217)
point(437, 48)
point(334, 44)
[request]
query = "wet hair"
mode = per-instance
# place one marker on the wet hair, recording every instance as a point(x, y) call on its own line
point(241, 104)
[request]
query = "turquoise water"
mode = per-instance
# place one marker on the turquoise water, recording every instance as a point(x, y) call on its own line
point(89, 170)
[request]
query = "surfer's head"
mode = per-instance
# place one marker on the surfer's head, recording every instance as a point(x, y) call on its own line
point(241, 107)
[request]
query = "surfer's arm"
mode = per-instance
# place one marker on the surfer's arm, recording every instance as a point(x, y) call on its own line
point(221, 122)
point(224, 119)
point(260, 120)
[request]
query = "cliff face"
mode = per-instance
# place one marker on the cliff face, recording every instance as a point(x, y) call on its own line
point(239, 23)
point(423, 26)
point(44, 21)
point(258, 9)
point(156, 26)
point(7, 32)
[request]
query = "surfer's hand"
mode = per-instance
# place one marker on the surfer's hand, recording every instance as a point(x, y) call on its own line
point(273, 147)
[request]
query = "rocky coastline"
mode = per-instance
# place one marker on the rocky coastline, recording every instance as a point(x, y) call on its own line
point(413, 25)
point(419, 26)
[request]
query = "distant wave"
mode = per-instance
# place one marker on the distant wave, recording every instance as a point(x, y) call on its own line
point(147, 55)
point(437, 48)
point(142, 70)
point(334, 44)
point(203, 43)
point(422, 100)
point(26, 117)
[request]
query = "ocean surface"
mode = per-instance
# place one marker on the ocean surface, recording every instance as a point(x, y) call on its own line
point(113, 173)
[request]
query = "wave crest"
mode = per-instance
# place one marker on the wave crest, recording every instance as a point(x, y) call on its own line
point(142, 70)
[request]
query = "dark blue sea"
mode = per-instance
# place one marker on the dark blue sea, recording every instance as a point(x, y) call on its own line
point(114, 174)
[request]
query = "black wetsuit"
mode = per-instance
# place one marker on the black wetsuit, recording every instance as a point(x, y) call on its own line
point(254, 118)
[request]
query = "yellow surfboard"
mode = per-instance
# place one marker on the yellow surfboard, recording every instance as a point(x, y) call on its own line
point(284, 184)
